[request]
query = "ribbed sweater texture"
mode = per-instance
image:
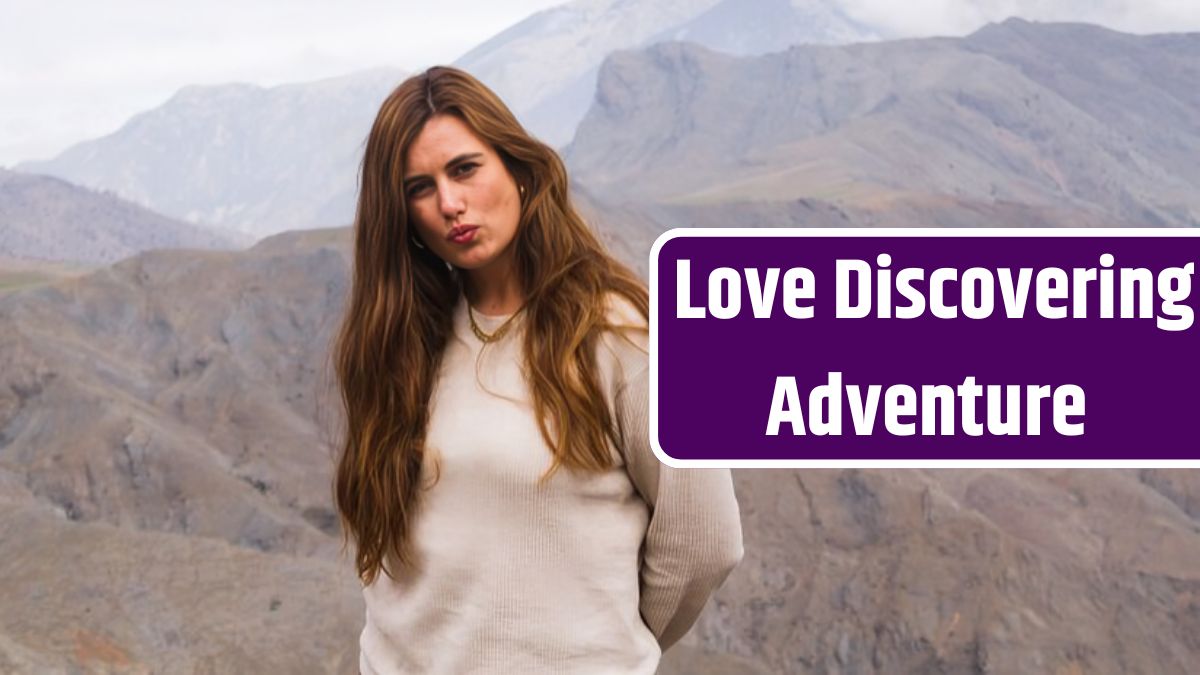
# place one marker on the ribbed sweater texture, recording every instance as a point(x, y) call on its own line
point(581, 573)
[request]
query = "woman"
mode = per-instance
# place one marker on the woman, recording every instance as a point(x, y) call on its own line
point(496, 466)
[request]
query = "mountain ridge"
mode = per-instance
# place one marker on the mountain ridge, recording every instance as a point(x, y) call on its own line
point(254, 159)
point(552, 101)
point(48, 218)
point(963, 119)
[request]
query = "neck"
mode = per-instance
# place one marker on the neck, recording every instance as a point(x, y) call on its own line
point(494, 290)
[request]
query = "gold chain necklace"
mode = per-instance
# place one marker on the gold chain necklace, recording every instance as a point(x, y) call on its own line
point(494, 335)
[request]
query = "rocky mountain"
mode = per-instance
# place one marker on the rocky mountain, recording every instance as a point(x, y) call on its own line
point(964, 571)
point(179, 389)
point(545, 66)
point(166, 429)
point(1016, 124)
point(165, 458)
point(45, 218)
point(254, 159)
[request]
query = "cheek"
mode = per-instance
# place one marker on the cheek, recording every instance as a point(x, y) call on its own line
point(421, 218)
point(511, 206)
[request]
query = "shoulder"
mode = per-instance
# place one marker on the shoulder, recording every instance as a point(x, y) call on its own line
point(624, 347)
point(621, 312)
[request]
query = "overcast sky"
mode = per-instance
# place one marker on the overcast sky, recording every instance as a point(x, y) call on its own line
point(75, 70)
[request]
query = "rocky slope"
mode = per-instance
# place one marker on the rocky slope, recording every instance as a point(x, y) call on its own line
point(165, 458)
point(961, 571)
point(165, 462)
point(96, 598)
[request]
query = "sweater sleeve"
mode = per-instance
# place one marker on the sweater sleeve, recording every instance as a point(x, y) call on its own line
point(694, 539)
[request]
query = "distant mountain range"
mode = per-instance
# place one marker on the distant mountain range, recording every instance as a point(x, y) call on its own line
point(264, 160)
point(545, 66)
point(258, 160)
point(1017, 124)
point(46, 218)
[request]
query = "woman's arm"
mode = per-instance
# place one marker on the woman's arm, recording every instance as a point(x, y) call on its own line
point(695, 535)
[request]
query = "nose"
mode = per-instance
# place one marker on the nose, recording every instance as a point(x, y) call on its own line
point(450, 201)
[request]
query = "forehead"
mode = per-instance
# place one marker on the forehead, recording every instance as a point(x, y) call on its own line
point(443, 138)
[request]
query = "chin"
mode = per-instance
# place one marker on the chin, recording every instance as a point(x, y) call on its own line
point(468, 260)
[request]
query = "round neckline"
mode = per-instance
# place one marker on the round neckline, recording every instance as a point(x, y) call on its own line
point(487, 317)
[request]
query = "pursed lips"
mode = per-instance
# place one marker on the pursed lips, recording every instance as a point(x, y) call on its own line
point(460, 230)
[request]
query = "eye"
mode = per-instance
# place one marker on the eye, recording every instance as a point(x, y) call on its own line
point(464, 169)
point(417, 189)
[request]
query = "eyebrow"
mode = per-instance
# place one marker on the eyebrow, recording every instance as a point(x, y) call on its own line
point(466, 156)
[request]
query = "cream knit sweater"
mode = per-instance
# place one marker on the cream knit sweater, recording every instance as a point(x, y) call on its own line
point(582, 574)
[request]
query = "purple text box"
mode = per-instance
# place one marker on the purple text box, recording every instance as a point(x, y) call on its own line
point(716, 381)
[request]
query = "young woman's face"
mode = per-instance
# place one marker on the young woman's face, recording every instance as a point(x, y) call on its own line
point(462, 201)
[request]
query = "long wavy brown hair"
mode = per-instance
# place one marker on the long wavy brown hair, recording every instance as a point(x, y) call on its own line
point(399, 316)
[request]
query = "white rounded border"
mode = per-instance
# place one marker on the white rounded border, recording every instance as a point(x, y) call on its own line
point(681, 232)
